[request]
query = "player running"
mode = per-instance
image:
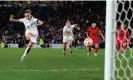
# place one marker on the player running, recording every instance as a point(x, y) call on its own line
point(93, 33)
point(122, 38)
point(31, 32)
point(68, 36)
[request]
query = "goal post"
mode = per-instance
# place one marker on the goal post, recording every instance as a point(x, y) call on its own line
point(119, 20)
point(109, 38)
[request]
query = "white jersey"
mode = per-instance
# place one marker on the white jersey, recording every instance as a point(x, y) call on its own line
point(30, 25)
point(68, 30)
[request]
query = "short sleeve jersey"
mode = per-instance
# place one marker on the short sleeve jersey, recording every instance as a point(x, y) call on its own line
point(69, 30)
point(30, 25)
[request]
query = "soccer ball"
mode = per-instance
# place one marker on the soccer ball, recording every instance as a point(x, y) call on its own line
point(88, 41)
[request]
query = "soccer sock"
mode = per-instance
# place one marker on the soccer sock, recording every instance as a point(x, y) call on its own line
point(64, 51)
point(96, 49)
point(26, 51)
point(70, 47)
point(123, 48)
point(64, 48)
point(117, 48)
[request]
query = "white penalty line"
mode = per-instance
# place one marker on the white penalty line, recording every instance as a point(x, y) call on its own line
point(53, 70)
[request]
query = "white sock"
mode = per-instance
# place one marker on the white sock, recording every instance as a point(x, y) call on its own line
point(70, 48)
point(64, 51)
point(25, 53)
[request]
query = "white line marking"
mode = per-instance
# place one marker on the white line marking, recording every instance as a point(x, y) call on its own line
point(52, 70)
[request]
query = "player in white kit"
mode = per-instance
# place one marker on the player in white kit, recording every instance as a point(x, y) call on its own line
point(68, 36)
point(31, 32)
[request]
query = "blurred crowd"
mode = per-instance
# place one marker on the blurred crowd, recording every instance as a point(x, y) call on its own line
point(54, 14)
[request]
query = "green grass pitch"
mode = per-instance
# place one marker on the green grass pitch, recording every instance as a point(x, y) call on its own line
point(49, 64)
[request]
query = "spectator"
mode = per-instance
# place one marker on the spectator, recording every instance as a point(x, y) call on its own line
point(54, 15)
point(2, 44)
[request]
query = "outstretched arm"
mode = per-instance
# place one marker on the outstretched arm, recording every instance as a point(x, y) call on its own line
point(39, 22)
point(14, 20)
point(74, 25)
point(101, 35)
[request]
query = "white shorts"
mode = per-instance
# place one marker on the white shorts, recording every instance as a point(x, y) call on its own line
point(67, 38)
point(34, 34)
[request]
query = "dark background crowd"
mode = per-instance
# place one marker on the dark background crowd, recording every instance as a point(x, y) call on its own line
point(54, 14)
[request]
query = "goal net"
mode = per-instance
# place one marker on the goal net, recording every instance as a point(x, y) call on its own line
point(124, 62)
point(119, 53)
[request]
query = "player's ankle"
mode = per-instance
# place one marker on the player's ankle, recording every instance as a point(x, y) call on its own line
point(64, 54)
point(95, 54)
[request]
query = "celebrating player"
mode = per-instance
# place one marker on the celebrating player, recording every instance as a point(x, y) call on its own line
point(122, 38)
point(31, 32)
point(93, 33)
point(68, 36)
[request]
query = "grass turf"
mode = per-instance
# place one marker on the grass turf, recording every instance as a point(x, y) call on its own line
point(49, 64)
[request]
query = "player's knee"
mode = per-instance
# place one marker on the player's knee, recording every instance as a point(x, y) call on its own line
point(96, 45)
point(28, 38)
point(124, 44)
point(30, 44)
point(70, 43)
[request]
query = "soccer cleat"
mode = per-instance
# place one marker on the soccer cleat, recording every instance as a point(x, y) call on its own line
point(95, 54)
point(64, 54)
point(22, 59)
point(71, 53)
point(88, 53)
point(122, 54)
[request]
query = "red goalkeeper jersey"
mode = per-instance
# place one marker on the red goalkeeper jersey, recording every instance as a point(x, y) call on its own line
point(122, 34)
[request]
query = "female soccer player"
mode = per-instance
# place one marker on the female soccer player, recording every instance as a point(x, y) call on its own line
point(93, 33)
point(68, 36)
point(31, 32)
point(122, 38)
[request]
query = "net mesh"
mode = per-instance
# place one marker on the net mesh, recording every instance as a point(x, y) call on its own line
point(124, 56)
